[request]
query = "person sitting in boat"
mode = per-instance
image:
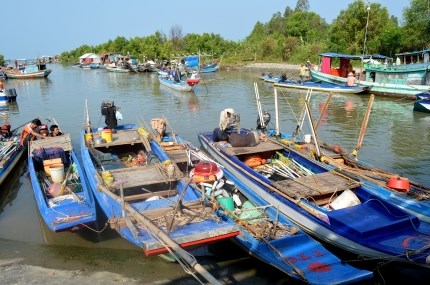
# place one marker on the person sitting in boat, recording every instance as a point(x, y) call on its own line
point(227, 122)
point(283, 78)
point(30, 132)
point(5, 132)
point(1, 85)
point(55, 131)
point(352, 81)
point(43, 130)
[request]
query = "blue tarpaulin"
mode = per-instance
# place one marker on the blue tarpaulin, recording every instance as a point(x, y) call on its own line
point(191, 61)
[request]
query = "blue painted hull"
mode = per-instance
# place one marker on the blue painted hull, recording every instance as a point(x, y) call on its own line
point(192, 234)
point(372, 228)
point(10, 161)
point(284, 246)
point(325, 87)
point(69, 211)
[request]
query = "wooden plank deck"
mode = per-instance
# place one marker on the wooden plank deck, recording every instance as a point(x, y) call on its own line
point(63, 141)
point(315, 185)
point(261, 147)
point(141, 176)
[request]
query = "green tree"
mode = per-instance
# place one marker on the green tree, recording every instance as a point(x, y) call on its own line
point(302, 6)
point(1, 60)
point(363, 29)
point(416, 31)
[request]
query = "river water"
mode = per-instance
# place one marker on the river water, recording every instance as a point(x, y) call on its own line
point(396, 138)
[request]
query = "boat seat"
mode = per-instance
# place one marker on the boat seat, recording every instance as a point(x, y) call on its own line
point(378, 220)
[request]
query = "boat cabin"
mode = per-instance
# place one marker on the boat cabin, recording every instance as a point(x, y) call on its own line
point(340, 65)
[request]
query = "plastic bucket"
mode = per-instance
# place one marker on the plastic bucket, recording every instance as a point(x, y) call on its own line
point(57, 172)
point(226, 203)
point(89, 137)
point(250, 212)
point(107, 135)
point(47, 163)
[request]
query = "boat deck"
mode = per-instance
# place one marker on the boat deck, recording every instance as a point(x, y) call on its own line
point(315, 185)
point(263, 146)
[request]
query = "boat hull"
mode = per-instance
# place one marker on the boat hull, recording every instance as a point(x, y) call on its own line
point(74, 207)
point(324, 87)
point(344, 228)
point(28, 75)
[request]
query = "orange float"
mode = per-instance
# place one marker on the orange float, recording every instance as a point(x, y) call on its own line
point(193, 81)
point(399, 183)
point(254, 160)
point(206, 172)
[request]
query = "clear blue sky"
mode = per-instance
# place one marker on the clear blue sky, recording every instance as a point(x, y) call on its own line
point(33, 28)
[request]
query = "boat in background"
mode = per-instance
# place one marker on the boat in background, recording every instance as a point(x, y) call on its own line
point(422, 102)
point(27, 70)
point(184, 85)
point(399, 80)
point(331, 206)
point(59, 185)
point(322, 86)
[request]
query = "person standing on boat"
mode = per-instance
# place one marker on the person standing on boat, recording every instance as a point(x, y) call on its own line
point(227, 122)
point(303, 69)
point(30, 132)
point(352, 81)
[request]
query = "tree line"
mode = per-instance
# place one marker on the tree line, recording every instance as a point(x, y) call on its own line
point(294, 36)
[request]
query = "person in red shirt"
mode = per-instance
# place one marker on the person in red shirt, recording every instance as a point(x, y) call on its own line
point(29, 132)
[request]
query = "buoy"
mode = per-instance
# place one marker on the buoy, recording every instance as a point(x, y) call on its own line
point(193, 81)
point(206, 172)
point(399, 183)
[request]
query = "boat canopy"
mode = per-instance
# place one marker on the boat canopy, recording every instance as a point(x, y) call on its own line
point(353, 57)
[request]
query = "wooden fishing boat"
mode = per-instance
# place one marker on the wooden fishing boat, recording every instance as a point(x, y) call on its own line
point(184, 85)
point(322, 86)
point(401, 80)
point(28, 71)
point(265, 232)
point(59, 185)
point(328, 204)
point(144, 194)
point(11, 153)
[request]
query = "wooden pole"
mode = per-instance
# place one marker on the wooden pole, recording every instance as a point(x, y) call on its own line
point(323, 110)
point(364, 126)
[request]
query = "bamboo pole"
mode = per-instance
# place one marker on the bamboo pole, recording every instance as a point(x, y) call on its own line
point(364, 126)
point(323, 110)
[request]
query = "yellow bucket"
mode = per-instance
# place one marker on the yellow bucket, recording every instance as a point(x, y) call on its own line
point(89, 137)
point(107, 135)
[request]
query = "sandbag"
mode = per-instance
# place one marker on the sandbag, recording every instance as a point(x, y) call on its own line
point(237, 140)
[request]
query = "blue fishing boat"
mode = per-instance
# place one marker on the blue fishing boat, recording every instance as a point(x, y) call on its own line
point(184, 85)
point(265, 232)
point(322, 86)
point(59, 185)
point(144, 195)
point(422, 102)
point(330, 205)
point(11, 152)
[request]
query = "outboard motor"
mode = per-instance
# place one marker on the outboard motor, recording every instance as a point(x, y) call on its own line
point(266, 119)
point(108, 109)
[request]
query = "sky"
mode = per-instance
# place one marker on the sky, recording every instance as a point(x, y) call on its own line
point(32, 29)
